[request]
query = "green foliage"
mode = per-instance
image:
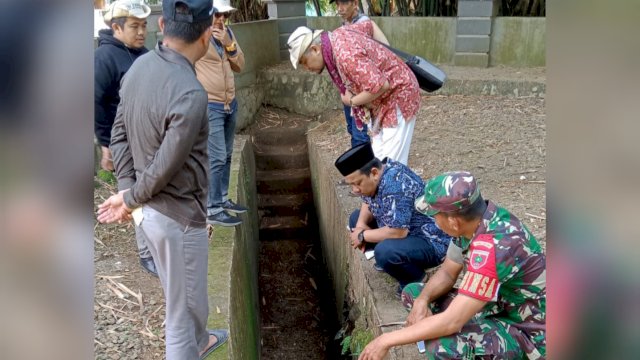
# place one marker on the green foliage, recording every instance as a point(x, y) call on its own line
point(248, 10)
point(359, 339)
point(345, 343)
point(356, 342)
point(412, 7)
point(107, 177)
point(318, 7)
point(522, 8)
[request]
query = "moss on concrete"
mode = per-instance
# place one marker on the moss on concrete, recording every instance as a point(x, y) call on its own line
point(324, 22)
point(518, 42)
point(233, 265)
point(359, 339)
point(430, 37)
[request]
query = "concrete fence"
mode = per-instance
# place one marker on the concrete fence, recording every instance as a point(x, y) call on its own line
point(514, 41)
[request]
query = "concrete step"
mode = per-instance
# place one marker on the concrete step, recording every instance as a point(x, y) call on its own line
point(283, 227)
point(272, 157)
point(291, 181)
point(279, 136)
point(285, 205)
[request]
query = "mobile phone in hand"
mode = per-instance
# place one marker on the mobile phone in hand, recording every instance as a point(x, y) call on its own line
point(421, 347)
point(369, 254)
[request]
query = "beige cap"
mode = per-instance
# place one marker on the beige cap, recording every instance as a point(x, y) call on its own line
point(126, 8)
point(299, 41)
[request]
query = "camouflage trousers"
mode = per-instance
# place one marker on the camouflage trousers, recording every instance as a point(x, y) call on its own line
point(479, 338)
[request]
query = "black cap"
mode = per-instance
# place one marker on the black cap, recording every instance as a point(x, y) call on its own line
point(354, 159)
point(199, 10)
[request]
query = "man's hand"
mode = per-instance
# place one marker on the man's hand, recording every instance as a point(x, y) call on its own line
point(346, 97)
point(355, 242)
point(222, 35)
point(106, 162)
point(419, 311)
point(375, 350)
point(114, 209)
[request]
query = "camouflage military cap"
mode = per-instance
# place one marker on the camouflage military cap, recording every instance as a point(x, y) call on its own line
point(448, 192)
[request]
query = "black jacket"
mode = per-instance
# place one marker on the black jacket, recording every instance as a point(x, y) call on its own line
point(112, 60)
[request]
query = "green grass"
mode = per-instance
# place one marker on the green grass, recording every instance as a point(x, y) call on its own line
point(107, 177)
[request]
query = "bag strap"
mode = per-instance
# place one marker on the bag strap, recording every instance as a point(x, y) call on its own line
point(401, 54)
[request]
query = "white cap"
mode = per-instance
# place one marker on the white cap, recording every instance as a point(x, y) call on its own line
point(299, 41)
point(126, 8)
point(223, 6)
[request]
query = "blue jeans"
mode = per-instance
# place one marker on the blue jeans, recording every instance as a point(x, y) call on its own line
point(222, 126)
point(357, 136)
point(404, 259)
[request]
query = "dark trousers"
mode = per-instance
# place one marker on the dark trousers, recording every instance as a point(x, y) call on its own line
point(357, 136)
point(404, 259)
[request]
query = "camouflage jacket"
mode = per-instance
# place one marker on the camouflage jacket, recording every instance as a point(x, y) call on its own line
point(505, 266)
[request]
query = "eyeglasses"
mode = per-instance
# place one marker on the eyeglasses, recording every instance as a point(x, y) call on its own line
point(224, 14)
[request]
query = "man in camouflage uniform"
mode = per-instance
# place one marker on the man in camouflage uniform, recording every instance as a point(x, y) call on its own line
point(499, 310)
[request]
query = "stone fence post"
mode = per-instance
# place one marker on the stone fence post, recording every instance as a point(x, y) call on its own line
point(473, 37)
point(290, 14)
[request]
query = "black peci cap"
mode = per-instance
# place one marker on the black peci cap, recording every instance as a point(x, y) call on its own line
point(354, 159)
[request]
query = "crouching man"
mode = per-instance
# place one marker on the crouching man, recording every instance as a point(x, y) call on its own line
point(406, 241)
point(499, 310)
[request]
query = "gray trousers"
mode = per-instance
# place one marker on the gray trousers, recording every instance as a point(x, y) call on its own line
point(181, 256)
point(143, 250)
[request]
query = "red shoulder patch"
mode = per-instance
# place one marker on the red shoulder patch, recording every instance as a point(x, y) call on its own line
point(481, 280)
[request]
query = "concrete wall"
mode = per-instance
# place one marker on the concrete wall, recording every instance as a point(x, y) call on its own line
point(335, 246)
point(430, 37)
point(518, 42)
point(515, 41)
point(233, 265)
point(368, 293)
point(259, 42)
point(299, 91)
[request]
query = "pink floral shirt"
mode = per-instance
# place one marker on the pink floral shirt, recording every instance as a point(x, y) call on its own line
point(365, 65)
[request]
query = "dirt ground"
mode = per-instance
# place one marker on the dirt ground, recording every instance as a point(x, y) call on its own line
point(294, 290)
point(501, 140)
point(129, 303)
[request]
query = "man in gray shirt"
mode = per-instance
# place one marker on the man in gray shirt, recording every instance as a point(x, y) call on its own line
point(159, 147)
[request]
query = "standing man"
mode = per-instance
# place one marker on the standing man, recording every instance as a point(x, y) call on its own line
point(350, 14)
point(376, 82)
point(499, 310)
point(215, 72)
point(159, 144)
point(406, 241)
point(118, 48)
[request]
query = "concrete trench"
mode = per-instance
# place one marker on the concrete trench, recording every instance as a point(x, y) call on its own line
point(286, 282)
point(297, 304)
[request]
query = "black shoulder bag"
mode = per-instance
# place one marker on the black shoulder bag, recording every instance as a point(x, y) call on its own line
point(430, 77)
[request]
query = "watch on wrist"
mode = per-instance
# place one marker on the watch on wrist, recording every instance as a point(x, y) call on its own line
point(231, 48)
point(361, 236)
